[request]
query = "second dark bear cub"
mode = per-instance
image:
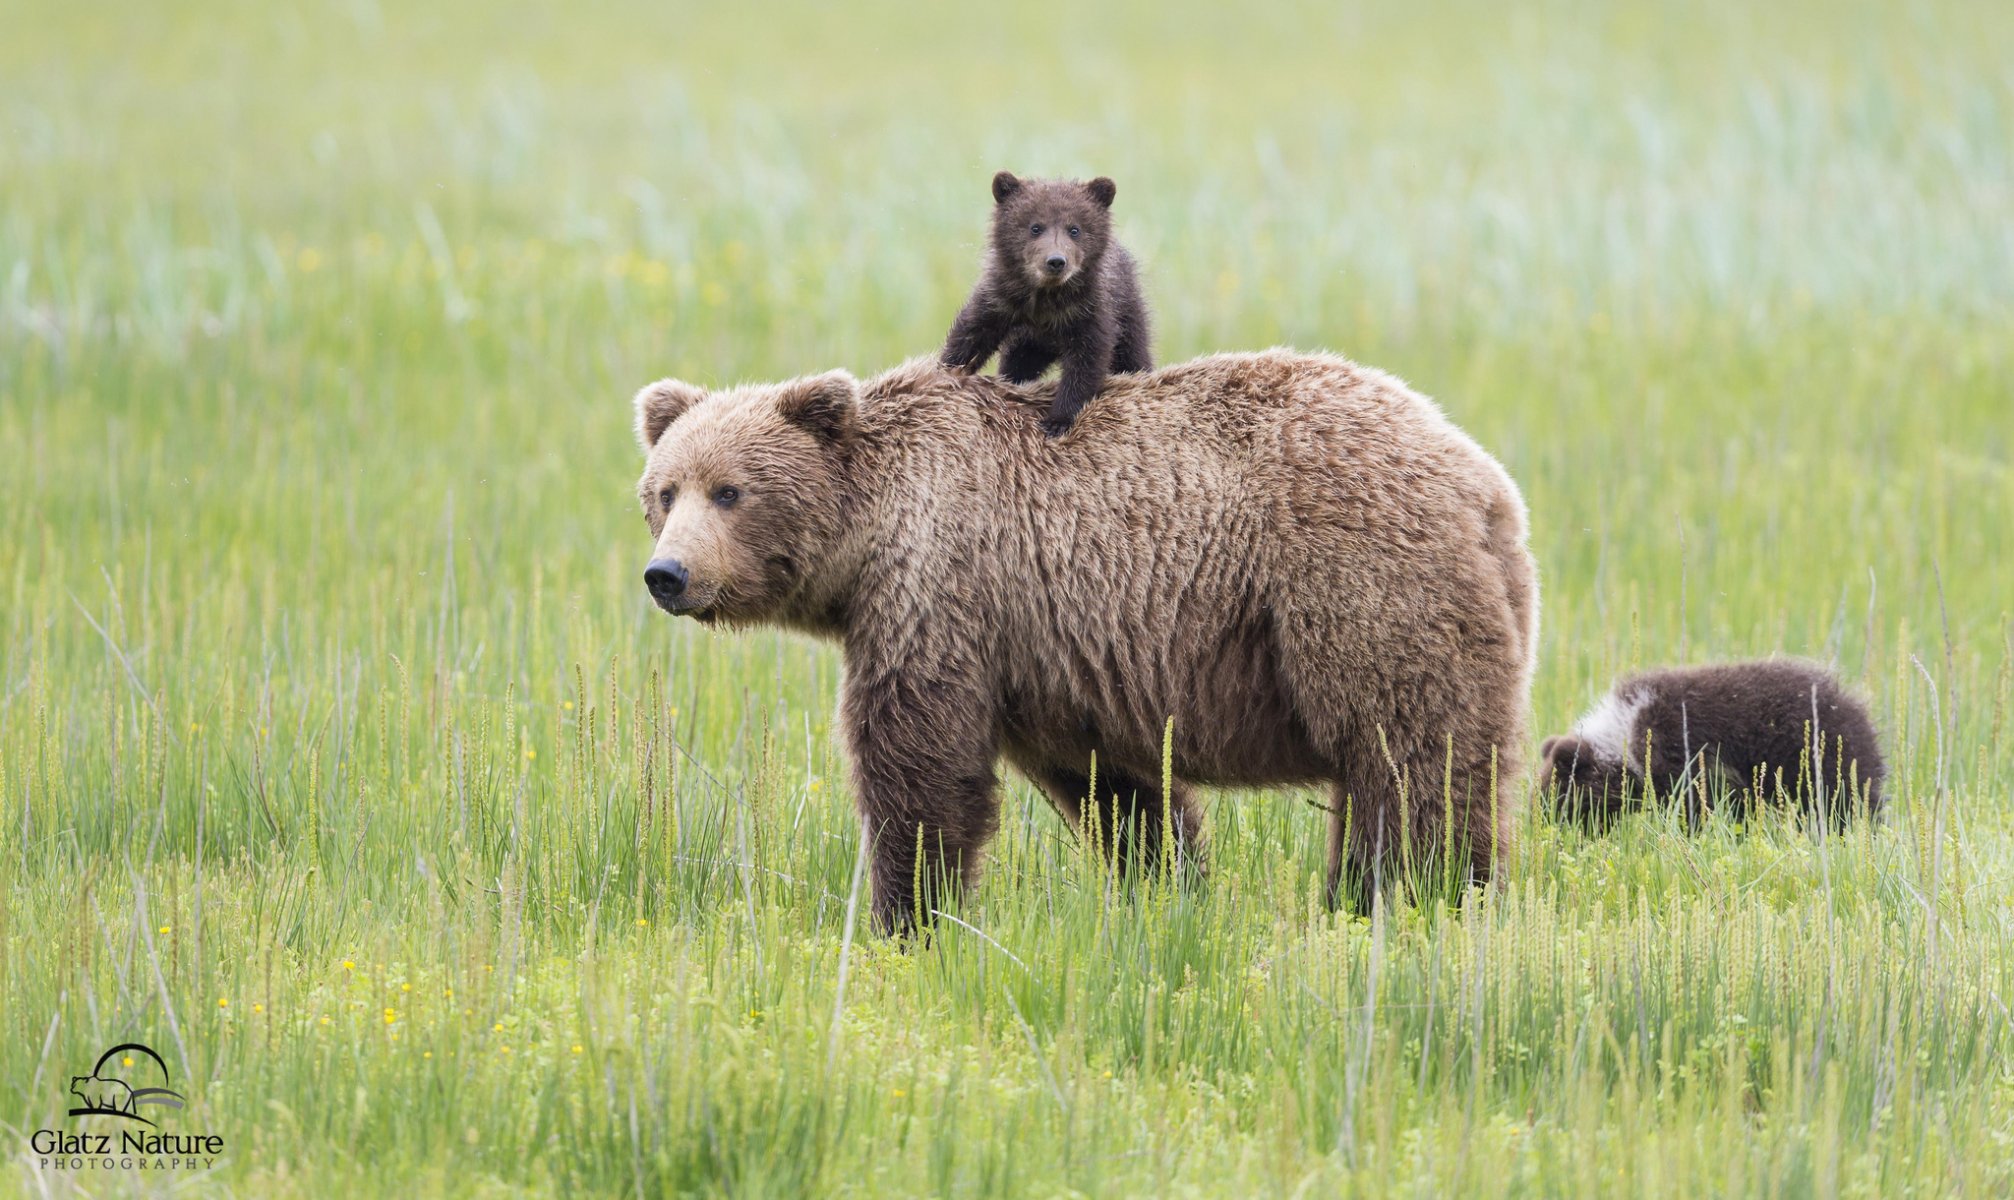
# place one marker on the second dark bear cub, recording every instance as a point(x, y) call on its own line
point(1758, 732)
point(1056, 286)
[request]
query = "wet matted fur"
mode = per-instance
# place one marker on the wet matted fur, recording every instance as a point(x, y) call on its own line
point(1298, 559)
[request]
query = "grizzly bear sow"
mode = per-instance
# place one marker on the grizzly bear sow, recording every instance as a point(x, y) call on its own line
point(1299, 560)
point(1056, 285)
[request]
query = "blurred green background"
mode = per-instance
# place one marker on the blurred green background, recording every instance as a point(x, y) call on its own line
point(327, 686)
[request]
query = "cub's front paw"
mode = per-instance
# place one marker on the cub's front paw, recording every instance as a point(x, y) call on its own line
point(1055, 426)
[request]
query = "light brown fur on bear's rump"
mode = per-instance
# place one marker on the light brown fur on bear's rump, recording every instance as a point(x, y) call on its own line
point(1297, 558)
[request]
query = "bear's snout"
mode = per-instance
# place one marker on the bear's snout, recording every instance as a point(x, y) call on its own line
point(1056, 263)
point(666, 578)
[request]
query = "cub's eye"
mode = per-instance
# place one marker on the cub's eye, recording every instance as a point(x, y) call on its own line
point(666, 496)
point(1074, 231)
point(726, 496)
point(1034, 231)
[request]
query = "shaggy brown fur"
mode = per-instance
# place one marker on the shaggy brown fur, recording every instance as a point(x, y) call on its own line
point(1743, 730)
point(1297, 558)
point(1055, 286)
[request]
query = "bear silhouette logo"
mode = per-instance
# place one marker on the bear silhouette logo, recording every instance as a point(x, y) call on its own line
point(105, 1095)
point(109, 1091)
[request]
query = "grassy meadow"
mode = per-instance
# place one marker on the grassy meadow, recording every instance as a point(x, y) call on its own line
point(344, 761)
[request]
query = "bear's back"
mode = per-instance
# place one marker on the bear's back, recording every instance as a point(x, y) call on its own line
point(1761, 715)
point(1188, 512)
point(1260, 414)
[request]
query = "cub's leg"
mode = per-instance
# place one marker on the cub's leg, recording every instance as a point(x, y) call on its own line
point(1024, 357)
point(1134, 349)
point(1085, 366)
point(974, 336)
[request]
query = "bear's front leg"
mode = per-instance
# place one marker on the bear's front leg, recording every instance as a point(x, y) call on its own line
point(974, 336)
point(1085, 366)
point(923, 754)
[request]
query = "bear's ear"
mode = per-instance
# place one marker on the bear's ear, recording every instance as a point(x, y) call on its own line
point(822, 405)
point(1004, 185)
point(1102, 190)
point(661, 403)
point(1564, 757)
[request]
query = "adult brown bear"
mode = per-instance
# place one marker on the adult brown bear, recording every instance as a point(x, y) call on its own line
point(1298, 559)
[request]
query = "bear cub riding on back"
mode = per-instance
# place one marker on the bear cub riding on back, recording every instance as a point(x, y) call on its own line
point(1055, 286)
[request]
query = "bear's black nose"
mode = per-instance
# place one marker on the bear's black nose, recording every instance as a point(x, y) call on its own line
point(1056, 264)
point(666, 578)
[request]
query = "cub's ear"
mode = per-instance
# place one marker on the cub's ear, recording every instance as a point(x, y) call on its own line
point(1102, 190)
point(1561, 759)
point(661, 403)
point(1004, 185)
point(823, 405)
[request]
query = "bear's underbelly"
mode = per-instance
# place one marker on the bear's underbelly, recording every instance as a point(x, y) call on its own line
point(1234, 723)
point(1255, 762)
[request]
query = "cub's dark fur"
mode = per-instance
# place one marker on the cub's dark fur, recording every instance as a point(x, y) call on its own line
point(1055, 286)
point(1764, 731)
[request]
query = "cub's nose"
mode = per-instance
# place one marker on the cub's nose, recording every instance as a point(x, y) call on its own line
point(1056, 264)
point(666, 578)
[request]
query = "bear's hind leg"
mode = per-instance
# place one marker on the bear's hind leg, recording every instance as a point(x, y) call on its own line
point(1025, 357)
point(1357, 841)
point(1408, 818)
point(1422, 775)
point(1131, 354)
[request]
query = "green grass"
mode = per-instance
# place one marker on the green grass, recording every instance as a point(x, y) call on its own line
point(343, 760)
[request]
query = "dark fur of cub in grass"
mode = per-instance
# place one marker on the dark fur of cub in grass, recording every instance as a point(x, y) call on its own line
point(1760, 733)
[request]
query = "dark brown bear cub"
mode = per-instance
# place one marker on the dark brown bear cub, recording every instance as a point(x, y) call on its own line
point(1056, 286)
point(1759, 732)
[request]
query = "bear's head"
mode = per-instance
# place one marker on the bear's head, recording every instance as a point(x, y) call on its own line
point(1050, 231)
point(744, 490)
point(1586, 786)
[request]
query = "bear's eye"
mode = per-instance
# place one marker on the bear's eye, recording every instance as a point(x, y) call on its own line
point(666, 496)
point(1073, 233)
point(726, 495)
point(1034, 231)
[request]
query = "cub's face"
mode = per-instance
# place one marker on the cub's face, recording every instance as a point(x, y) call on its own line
point(1050, 230)
point(743, 490)
point(1585, 786)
